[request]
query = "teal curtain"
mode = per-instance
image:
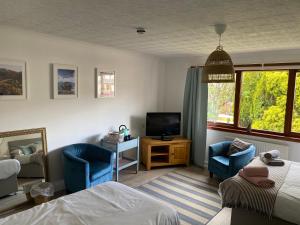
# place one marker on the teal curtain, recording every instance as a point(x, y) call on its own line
point(195, 114)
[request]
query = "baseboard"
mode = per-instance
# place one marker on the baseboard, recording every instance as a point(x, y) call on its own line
point(206, 164)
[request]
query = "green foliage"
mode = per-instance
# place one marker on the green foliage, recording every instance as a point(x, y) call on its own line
point(263, 100)
point(296, 111)
point(220, 102)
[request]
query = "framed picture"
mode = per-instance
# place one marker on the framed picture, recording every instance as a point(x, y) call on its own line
point(13, 83)
point(65, 81)
point(105, 84)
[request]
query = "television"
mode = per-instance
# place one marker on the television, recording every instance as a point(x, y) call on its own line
point(163, 125)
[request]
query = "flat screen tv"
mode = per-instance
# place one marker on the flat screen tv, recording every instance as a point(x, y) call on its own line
point(163, 125)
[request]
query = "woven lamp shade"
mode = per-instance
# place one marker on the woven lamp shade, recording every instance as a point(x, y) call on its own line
point(218, 68)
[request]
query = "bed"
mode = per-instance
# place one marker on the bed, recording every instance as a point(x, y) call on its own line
point(9, 168)
point(110, 203)
point(278, 205)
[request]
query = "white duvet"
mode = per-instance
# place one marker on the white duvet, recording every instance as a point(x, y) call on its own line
point(107, 204)
point(287, 203)
point(9, 167)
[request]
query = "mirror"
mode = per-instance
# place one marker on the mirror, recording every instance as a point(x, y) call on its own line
point(22, 164)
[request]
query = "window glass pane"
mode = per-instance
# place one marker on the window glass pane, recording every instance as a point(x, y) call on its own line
point(263, 100)
point(296, 110)
point(221, 102)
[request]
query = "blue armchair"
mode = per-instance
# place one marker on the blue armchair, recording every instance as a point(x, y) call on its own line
point(224, 166)
point(86, 165)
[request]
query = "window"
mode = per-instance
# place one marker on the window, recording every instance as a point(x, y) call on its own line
point(263, 100)
point(269, 100)
point(221, 102)
point(296, 108)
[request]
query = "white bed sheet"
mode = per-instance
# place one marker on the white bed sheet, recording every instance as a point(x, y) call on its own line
point(107, 204)
point(287, 203)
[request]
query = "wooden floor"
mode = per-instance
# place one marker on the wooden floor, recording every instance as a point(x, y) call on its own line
point(130, 178)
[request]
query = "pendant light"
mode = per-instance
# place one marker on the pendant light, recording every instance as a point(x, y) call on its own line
point(218, 67)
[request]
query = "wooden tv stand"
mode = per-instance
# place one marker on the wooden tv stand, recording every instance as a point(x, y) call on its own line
point(165, 153)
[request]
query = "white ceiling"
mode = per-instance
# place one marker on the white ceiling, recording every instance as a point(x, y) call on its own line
point(174, 27)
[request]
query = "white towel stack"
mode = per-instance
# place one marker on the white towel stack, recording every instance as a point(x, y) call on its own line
point(271, 158)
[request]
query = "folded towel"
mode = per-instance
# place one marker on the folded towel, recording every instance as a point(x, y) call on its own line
point(271, 162)
point(262, 182)
point(272, 154)
point(256, 171)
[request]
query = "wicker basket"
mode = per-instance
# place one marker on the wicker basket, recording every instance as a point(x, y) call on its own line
point(41, 199)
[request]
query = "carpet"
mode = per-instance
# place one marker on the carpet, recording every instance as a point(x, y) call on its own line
point(196, 201)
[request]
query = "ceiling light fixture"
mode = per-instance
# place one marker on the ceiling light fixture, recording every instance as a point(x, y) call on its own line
point(140, 30)
point(218, 67)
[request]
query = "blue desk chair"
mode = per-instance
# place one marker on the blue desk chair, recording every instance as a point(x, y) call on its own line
point(86, 165)
point(224, 166)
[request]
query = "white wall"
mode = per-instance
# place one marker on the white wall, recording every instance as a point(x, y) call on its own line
point(176, 69)
point(138, 78)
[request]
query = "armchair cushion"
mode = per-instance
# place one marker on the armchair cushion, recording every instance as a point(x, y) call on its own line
point(99, 169)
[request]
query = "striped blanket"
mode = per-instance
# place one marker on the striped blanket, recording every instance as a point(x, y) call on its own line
point(236, 192)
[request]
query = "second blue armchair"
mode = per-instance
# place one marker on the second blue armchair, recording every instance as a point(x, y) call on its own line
point(224, 166)
point(86, 165)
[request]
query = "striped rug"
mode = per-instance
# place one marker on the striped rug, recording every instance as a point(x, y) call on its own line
point(196, 201)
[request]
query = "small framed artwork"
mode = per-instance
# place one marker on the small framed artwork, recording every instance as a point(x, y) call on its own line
point(105, 84)
point(13, 80)
point(65, 81)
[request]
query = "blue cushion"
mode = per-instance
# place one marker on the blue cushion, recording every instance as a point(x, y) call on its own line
point(98, 169)
point(105, 178)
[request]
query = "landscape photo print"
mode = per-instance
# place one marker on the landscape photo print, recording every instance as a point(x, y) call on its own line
point(12, 79)
point(65, 81)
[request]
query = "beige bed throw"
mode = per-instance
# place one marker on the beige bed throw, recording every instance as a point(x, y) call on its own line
point(236, 192)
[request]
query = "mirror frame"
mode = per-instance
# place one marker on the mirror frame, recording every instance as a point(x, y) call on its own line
point(42, 131)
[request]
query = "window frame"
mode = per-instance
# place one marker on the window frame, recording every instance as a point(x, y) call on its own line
point(287, 133)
